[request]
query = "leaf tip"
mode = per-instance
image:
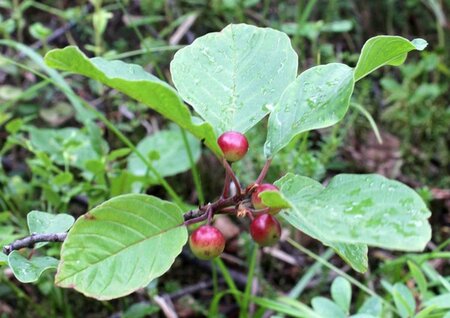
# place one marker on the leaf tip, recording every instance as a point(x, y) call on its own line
point(420, 44)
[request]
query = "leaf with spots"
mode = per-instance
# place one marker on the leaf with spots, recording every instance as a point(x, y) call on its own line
point(354, 254)
point(234, 77)
point(354, 211)
point(121, 245)
point(359, 209)
point(318, 98)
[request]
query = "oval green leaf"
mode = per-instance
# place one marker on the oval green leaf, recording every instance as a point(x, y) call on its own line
point(234, 77)
point(135, 82)
point(371, 306)
point(385, 50)
point(43, 222)
point(29, 270)
point(358, 209)
point(354, 254)
point(167, 153)
point(46, 223)
point(318, 98)
point(326, 308)
point(121, 245)
point(404, 300)
point(341, 292)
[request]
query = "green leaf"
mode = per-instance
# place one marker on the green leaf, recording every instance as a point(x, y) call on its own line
point(43, 222)
point(318, 98)
point(29, 270)
point(3, 259)
point(118, 153)
point(100, 20)
point(64, 145)
point(125, 182)
point(341, 292)
point(39, 31)
point(302, 308)
point(166, 151)
point(353, 254)
point(274, 200)
point(425, 313)
point(234, 77)
point(358, 209)
point(283, 305)
point(121, 245)
point(326, 308)
point(62, 178)
point(371, 306)
point(135, 82)
point(46, 223)
point(441, 301)
point(404, 300)
point(419, 277)
point(385, 50)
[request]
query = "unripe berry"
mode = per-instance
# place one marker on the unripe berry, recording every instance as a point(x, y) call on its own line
point(265, 230)
point(234, 145)
point(256, 200)
point(207, 242)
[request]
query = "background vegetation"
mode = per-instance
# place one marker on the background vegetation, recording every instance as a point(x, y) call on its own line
point(53, 160)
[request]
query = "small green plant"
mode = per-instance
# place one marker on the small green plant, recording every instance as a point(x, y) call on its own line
point(233, 79)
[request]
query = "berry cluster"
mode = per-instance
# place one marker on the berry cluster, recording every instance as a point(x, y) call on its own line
point(207, 242)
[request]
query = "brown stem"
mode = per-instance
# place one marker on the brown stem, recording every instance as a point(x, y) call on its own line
point(261, 211)
point(226, 185)
point(227, 210)
point(232, 175)
point(209, 214)
point(29, 241)
point(196, 220)
point(222, 205)
point(263, 173)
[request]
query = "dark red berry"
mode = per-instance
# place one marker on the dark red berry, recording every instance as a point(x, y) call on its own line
point(234, 145)
point(207, 242)
point(265, 230)
point(256, 200)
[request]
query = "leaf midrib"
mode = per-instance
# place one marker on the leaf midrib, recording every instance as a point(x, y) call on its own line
point(114, 254)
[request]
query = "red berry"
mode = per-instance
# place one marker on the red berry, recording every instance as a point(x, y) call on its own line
point(234, 145)
point(256, 200)
point(265, 230)
point(207, 242)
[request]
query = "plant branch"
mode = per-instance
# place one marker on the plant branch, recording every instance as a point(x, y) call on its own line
point(232, 175)
point(263, 173)
point(29, 241)
point(226, 185)
point(221, 206)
